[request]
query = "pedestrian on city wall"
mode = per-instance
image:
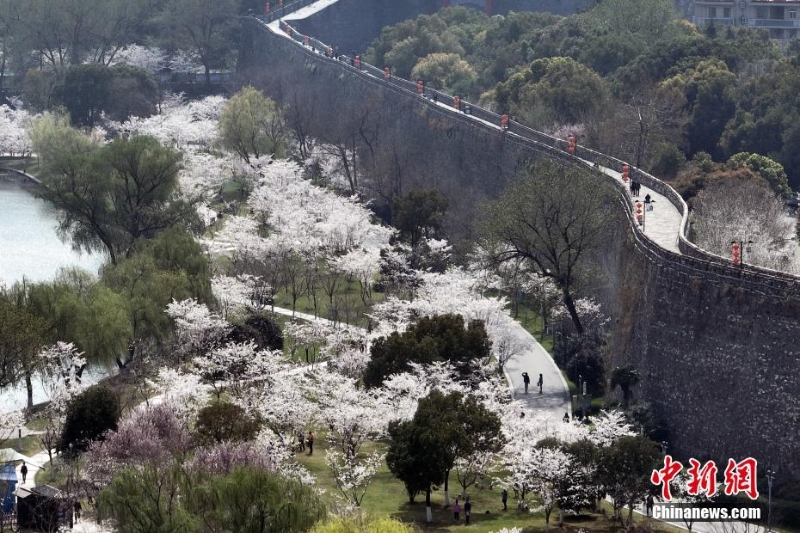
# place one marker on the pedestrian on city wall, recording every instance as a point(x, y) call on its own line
point(456, 511)
point(310, 442)
point(540, 383)
point(504, 499)
point(467, 510)
point(526, 379)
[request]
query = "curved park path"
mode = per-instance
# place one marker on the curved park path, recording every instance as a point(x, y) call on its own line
point(531, 358)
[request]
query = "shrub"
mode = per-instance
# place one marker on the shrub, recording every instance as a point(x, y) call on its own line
point(361, 525)
point(225, 422)
point(89, 416)
point(262, 330)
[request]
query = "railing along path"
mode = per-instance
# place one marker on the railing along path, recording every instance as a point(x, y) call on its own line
point(685, 254)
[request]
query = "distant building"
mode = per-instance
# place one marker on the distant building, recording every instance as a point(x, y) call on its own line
point(777, 16)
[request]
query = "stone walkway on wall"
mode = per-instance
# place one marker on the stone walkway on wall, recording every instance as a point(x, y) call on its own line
point(663, 224)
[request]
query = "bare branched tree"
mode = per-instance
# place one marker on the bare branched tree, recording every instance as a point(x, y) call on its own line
point(745, 210)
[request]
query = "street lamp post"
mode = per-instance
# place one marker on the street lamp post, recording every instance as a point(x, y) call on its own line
point(737, 250)
point(641, 210)
point(770, 478)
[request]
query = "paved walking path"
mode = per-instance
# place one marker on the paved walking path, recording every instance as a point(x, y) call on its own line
point(663, 224)
point(535, 360)
point(37, 463)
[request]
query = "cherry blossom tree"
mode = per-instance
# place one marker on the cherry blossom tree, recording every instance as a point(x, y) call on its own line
point(197, 329)
point(474, 467)
point(233, 366)
point(283, 406)
point(14, 125)
point(10, 422)
point(223, 457)
point(550, 472)
point(609, 426)
point(361, 264)
point(62, 366)
point(352, 416)
point(353, 474)
point(153, 435)
point(183, 390)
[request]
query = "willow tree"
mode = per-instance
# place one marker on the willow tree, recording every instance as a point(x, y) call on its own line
point(553, 219)
point(252, 125)
point(109, 197)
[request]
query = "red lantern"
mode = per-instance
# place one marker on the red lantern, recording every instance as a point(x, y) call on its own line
point(735, 249)
point(420, 87)
point(504, 121)
point(357, 62)
point(266, 8)
point(571, 144)
point(306, 40)
point(639, 213)
point(626, 173)
point(280, 4)
point(457, 102)
point(387, 73)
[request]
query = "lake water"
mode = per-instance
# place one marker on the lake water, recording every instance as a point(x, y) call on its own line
point(29, 245)
point(30, 248)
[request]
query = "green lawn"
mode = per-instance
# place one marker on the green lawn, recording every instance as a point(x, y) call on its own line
point(532, 322)
point(31, 166)
point(387, 497)
point(347, 298)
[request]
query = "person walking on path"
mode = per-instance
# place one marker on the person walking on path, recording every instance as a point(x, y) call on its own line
point(504, 498)
point(310, 443)
point(649, 504)
point(526, 379)
point(540, 383)
point(566, 418)
point(302, 441)
point(78, 508)
point(467, 510)
point(456, 511)
point(24, 472)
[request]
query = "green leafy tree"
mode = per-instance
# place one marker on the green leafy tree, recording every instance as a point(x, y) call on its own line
point(21, 337)
point(134, 93)
point(259, 328)
point(624, 470)
point(109, 198)
point(445, 72)
point(147, 500)
point(225, 422)
point(89, 416)
point(171, 266)
point(204, 27)
point(763, 166)
point(431, 339)
point(552, 227)
point(445, 427)
point(419, 214)
point(86, 92)
point(403, 45)
point(709, 90)
point(557, 89)
point(252, 125)
point(255, 501)
point(39, 90)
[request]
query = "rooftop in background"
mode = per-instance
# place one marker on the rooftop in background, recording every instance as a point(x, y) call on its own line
point(779, 17)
